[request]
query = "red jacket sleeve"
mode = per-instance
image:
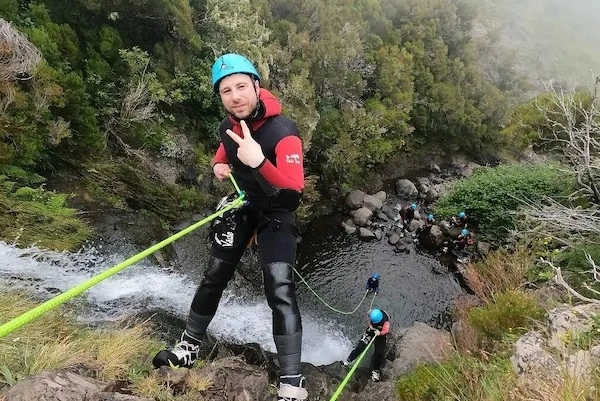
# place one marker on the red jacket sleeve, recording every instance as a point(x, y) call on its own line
point(288, 170)
point(220, 156)
point(385, 329)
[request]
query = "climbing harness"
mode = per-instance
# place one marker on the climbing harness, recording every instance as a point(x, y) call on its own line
point(52, 303)
point(342, 385)
point(325, 302)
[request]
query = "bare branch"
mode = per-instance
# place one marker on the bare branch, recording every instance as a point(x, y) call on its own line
point(7, 96)
point(575, 129)
point(18, 56)
point(594, 270)
point(587, 287)
point(566, 225)
point(559, 279)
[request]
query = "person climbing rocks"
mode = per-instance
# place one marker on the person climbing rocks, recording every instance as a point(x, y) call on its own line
point(429, 222)
point(379, 327)
point(460, 220)
point(262, 149)
point(408, 214)
point(464, 239)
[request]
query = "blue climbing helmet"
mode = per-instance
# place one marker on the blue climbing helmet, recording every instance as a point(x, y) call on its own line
point(413, 206)
point(375, 276)
point(462, 215)
point(429, 217)
point(229, 64)
point(375, 316)
point(464, 231)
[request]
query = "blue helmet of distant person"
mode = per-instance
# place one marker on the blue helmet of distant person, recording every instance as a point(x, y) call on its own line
point(375, 276)
point(462, 215)
point(229, 64)
point(413, 206)
point(430, 217)
point(375, 316)
point(464, 231)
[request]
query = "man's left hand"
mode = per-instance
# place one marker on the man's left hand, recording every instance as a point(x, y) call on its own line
point(249, 151)
point(377, 333)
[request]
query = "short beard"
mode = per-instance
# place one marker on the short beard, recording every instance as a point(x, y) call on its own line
point(250, 116)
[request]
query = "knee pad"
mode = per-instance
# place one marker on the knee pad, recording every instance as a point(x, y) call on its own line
point(217, 275)
point(281, 296)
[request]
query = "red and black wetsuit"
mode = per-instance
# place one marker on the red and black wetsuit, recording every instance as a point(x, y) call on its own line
point(379, 343)
point(274, 190)
point(407, 214)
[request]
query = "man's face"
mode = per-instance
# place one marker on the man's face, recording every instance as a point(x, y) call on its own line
point(239, 95)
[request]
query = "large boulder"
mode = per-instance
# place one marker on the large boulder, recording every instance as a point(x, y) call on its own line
point(234, 379)
point(406, 189)
point(530, 356)
point(432, 238)
point(63, 386)
point(417, 344)
point(355, 198)
point(372, 202)
point(361, 216)
point(569, 319)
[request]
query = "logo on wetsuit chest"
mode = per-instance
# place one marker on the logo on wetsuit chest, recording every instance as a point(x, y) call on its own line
point(226, 240)
point(292, 159)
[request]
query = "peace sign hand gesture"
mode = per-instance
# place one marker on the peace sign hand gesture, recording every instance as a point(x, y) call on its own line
point(249, 151)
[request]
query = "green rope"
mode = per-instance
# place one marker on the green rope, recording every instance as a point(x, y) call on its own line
point(52, 303)
point(351, 372)
point(325, 303)
point(372, 300)
point(239, 191)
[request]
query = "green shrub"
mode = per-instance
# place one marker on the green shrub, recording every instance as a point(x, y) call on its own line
point(423, 384)
point(511, 312)
point(492, 196)
point(124, 183)
point(36, 216)
point(576, 268)
point(589, 338)
point(458, 379)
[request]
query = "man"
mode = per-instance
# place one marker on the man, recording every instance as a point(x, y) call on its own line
point(464, 239)
point(373, 284)
point(430, 221)
point(460, 220)
point(263, 150)
point(379, 327)
point(408, 214)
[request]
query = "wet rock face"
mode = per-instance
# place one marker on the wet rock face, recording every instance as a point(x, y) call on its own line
point(233, 379)
point(247, 373)
point(63, 386)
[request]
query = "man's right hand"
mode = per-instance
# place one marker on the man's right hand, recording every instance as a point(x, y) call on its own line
point(222, 171)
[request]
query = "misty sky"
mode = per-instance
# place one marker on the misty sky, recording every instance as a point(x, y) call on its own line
point(555, 36)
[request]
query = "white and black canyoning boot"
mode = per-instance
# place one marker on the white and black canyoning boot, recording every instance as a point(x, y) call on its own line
point(375, 376)
point(291, 388)
point(183, 355)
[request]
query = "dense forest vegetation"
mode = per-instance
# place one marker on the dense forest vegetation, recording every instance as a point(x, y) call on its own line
point(120, 82)
point(111, 94)
point(113, 98)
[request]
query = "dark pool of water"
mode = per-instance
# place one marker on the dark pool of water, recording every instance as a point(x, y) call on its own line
point(336, 265)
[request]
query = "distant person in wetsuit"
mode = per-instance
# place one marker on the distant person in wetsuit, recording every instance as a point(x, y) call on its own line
point(379, 327)
point(373, 284)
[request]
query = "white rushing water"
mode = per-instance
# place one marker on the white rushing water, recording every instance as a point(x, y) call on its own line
point(146, 286)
